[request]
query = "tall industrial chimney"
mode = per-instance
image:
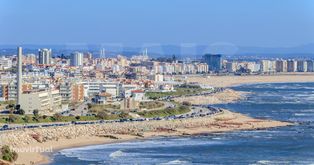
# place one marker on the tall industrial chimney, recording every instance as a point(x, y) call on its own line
point(19, 75)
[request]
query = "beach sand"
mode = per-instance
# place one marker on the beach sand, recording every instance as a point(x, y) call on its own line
point(73, 136)
point(226, 96)
point(227, 81)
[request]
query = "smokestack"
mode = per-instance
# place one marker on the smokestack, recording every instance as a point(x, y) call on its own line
point(19, 75)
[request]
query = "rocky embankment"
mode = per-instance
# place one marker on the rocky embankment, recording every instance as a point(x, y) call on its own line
point(225, 121)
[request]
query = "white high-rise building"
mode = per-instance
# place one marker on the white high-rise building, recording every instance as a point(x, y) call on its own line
point(5, 63)
point(77, 59)
point(44, 56)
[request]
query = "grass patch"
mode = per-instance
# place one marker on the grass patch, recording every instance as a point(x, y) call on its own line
point(180, 91)
point(165, 112)
point(7, 102)
point(94, 108)
point(151, 105)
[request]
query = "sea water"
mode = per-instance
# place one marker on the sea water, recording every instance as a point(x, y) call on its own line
point(284, 145)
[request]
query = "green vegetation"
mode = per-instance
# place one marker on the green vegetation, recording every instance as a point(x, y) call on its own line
point(22, 119)
point(151, 105)
point(165, 112)
point(8, 154)
point(7, 102)
point(180, 91)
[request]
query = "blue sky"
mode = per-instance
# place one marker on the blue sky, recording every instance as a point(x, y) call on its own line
point(271, 23)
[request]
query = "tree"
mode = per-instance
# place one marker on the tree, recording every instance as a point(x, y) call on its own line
point(17, 107)
point(21, 112)
point(8, 154)
point(36, 112)
point(77, 117)
point(89, 105)
point(10, 106)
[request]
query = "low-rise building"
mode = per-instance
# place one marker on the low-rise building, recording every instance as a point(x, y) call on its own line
point(46, 102)
point(138, 95)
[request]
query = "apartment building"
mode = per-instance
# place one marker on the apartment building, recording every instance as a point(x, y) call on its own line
point(46, 102)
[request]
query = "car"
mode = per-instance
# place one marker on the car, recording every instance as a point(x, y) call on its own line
point(4, 127)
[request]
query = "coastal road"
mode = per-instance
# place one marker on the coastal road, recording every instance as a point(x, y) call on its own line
point(196, 111)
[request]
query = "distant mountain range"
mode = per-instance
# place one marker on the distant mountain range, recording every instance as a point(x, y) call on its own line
point(181, 51)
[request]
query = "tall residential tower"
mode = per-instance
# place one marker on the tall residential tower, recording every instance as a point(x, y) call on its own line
point(44, 56)
point(77, 59)
point(214, 61)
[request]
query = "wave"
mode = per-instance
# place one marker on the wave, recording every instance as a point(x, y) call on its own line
point(116, 154)
point(262, 162)
point(175, 162)
point(301, 114)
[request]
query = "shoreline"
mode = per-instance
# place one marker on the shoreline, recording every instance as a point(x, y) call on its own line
point(229, 125)
point(226, 96)
point(224, 122)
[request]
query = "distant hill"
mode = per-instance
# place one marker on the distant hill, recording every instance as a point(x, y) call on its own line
point(181, 51)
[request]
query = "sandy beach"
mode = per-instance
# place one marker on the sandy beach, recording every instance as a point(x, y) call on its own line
point(226, 96)
point(227, 81)
point(57, 138)
point(79, 135)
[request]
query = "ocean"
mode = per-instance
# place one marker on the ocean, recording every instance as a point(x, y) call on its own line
point(285, 145)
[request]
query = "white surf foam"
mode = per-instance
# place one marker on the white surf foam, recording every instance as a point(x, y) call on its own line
point(117, 154)
point(175, 162)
